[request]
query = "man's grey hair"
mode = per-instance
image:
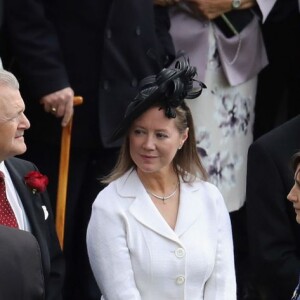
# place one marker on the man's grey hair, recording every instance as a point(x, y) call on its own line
point(8, 79)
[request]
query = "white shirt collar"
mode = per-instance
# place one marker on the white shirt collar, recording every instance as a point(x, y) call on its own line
point(14, 200)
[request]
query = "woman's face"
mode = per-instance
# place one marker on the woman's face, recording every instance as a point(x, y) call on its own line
point(294, 194)
point(154, 141)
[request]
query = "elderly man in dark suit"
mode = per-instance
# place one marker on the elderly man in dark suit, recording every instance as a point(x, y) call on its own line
point(274, 235)
point(21, 274)
point(99, 49)
point(28, 205)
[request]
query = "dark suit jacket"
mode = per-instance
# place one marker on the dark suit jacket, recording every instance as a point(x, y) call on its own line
point(274, 235)
point(1, 12)
point(99, 48)
point(282, 10)
point(21, 274)
point(280, 32)
point(43, 229)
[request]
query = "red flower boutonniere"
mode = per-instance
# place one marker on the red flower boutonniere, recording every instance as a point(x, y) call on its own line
point(36, 181)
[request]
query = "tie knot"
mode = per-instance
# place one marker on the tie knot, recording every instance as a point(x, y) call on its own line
point(2, 176)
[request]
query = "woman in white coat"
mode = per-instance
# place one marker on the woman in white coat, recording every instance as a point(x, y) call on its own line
point(159, 230)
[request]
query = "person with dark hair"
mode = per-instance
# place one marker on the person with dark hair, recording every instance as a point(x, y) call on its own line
point(274, 235)
point(24, 201)
point(294, 197)
point(159, 230)
point(294, 194)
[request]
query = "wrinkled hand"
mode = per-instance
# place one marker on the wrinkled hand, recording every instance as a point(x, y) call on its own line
point(60, 104)
point(211, 9)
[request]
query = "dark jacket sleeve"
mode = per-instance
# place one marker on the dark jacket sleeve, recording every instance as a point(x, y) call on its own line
point(35, 46)
point(273, 241)
point(162, 27)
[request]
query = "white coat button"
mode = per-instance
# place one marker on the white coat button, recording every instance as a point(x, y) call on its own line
point(179, 252)
point(180, 280)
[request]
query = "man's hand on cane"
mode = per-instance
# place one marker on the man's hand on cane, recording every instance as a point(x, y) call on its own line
point(60, 104)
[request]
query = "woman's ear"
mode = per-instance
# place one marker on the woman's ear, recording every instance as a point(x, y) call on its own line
point(184, 137)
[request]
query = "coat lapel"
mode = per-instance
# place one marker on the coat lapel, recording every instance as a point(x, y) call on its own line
point(190, 207)
point(145, 212)
point(143, 209)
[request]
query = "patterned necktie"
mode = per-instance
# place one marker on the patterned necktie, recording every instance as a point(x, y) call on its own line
point(7, 216)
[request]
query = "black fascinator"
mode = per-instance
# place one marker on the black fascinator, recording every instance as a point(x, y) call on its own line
point(167, 89)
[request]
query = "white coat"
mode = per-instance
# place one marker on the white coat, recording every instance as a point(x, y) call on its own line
point(135, 255)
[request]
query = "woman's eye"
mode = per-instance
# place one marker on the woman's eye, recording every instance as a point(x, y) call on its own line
point(138, 131)
point(161, 135)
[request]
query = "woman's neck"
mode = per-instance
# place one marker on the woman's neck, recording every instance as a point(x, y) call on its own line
point(159, 182)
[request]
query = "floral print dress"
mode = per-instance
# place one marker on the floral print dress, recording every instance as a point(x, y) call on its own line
point(223, 117)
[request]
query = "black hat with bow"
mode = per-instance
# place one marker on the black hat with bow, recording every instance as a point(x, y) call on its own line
point(167, 89)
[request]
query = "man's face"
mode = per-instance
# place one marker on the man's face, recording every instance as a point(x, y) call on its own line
point(13, 122)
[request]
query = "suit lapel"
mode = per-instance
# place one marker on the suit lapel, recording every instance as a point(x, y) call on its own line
point(32, 203)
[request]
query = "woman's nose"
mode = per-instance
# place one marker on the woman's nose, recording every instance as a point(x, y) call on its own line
point(149, 142)
point(292, 195)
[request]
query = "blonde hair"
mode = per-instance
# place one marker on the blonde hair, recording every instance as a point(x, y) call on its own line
point(186, 163)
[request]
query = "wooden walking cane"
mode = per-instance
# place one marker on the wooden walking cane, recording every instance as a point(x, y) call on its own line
point(63, 176)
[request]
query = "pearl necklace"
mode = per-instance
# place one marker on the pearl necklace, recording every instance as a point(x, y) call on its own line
point(163, 198)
